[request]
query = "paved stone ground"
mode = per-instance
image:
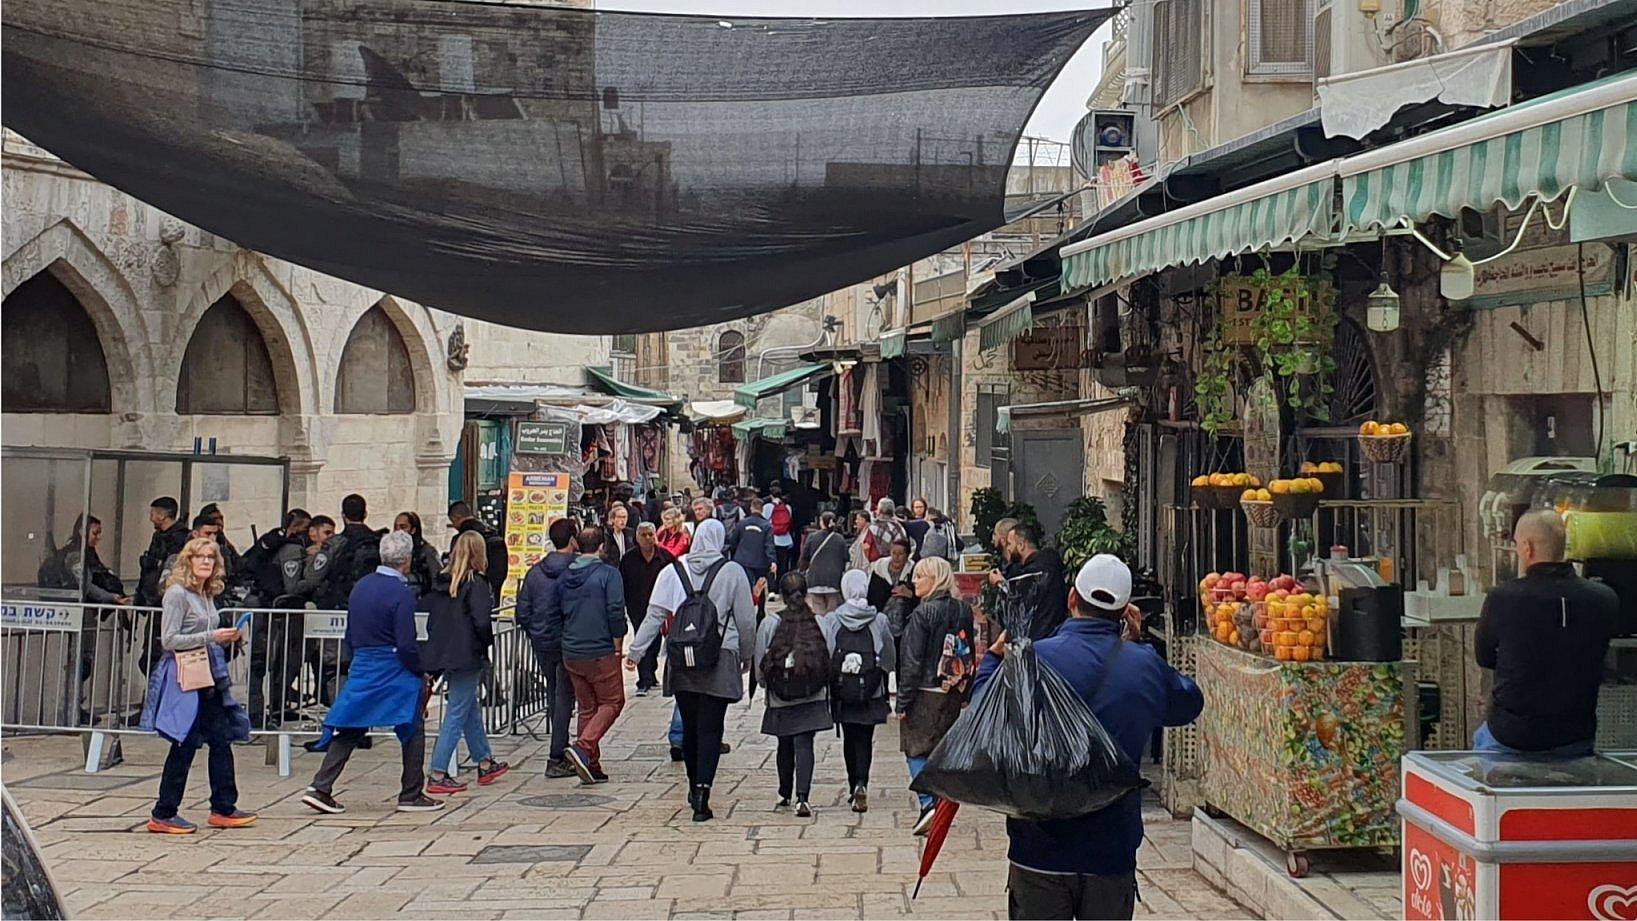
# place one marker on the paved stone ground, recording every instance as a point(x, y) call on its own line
point(530, 848)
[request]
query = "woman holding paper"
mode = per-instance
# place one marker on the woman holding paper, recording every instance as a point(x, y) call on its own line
point(190, 703)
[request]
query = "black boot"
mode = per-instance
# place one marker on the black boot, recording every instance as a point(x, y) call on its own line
point(693, 797)
point(702, 803)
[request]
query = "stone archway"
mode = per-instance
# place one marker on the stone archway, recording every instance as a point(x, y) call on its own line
point(277, 316)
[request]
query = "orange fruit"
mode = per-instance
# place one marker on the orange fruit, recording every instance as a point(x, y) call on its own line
point(1305, 637)
point(1316, 625)
point(1248, 495)
point(1263, 495)
point(1300, 653)
point(1398, 428)
point(1371, 427)
point(1282, 653)
point(1279, 487)
point(1233, 638)
point(1315, 653)
point(1201, 481)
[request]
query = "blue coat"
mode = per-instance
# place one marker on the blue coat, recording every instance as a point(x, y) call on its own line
point(585, 613)
point(1142, 693)
point(534, 595)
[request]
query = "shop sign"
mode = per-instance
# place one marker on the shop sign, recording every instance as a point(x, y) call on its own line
point(1051, 348)
point(1549, 273)
point(542, 438)
point(533, 502)
point(36, 615)
point(1241, 300)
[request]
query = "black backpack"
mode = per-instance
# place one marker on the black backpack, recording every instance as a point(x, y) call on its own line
point(357, 557)
point(781, 668)
point(865, 684)
point(695, 638)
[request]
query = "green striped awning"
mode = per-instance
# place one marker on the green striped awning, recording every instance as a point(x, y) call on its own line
point(950, 327)
point(748, 395)
point(771, 429)
point(1007, 323)
point(1582, 137)
point(893, 344)
point(603, 379)
point(1271, 213)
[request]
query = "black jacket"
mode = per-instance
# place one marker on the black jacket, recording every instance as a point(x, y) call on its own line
point(639, 576)
point(923, 645)
point(611, 553)
point(458, 630)
point(164, 545)
point(494, 547)
point(1545, 636)
point(1042, 590)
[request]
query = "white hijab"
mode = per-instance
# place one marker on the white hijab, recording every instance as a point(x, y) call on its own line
point(703, 553)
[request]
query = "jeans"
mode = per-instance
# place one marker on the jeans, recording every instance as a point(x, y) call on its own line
point(599, 689)
point(1047, 896)
point(915, 766)
point(675, 735)
point(856, 742)
point(345, 740)
point(560, 701)
point(211, 727)
point(795, 763)
point(702, 717)
point(461, 716)
point(1483, 740)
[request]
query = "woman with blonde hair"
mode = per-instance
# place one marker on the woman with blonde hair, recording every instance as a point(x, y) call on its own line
point(189, 702)
point(935, 667)
point(672, 535)
point(459, 634)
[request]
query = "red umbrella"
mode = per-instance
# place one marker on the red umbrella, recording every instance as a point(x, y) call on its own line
point(942, 817)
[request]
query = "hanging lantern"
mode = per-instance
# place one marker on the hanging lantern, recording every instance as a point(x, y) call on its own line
point(1456, 278)
point(1382, 313)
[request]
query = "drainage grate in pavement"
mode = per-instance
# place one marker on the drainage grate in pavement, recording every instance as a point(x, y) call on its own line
point(532, 853)
point(566, 801)
point(79, 780)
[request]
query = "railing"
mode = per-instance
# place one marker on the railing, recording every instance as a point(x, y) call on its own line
point(84, 668)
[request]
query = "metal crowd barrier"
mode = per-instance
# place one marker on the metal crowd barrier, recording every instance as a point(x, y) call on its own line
point(83, 669)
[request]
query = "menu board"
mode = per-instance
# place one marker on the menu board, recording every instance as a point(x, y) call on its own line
point(533, 502)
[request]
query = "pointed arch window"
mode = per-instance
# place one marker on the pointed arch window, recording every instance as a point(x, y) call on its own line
point(375, 376)
point(730, 356)
point(51, 356)
point(227, 370)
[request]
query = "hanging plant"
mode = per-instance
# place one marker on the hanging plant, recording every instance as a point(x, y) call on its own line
point(1213, 386)
point(1295, 338)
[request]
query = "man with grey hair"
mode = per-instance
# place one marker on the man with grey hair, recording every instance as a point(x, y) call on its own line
point(885, 528)
point(1545, 635)
point(639, 570)
point(386, 686)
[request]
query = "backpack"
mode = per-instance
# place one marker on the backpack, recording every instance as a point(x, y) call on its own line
point(353, 560)
point(781, 518)
point(859, 677)
point(796, 665)
point(694, 639)
point(956, 664)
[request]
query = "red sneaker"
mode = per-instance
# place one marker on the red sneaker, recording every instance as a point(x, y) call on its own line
point(495, 771)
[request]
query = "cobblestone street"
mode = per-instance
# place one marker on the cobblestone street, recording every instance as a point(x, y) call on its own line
point(526, 847)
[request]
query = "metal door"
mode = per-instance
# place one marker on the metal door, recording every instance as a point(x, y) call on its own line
point(1046, 470)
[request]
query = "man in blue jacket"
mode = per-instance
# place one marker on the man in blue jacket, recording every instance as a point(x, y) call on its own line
point(750, 544)
point(1087, 867)
point(585, 615)
point(532, 599)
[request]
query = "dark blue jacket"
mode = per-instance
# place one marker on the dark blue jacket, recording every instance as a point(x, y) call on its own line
point(585, 612)
point(532, 598)
point(381, 612)
point(750, 543)
point(1143, 692)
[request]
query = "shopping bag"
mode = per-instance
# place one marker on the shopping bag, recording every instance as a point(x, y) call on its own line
point(1029, 747)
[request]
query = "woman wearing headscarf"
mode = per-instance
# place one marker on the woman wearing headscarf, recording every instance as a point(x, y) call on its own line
point(934, 669)
point(793, 663)
point(862, 654)
point(702, 695)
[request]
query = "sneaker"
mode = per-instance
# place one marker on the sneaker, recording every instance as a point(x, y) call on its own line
point(238, 819)
point(322, 802)
point(597, 774)
point(804, 811)
point(924, 822)
point(558, 768)
point(175, 825)
point(783, 803)
point(860, 799)
point(495, 771)
point(580, 763)
point(676, 753)
point(445, 785)
point(642, 691)
point(726, 748)
point(421, 803)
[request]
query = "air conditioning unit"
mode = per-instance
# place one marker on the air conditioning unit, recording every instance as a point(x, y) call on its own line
point(1347, 37)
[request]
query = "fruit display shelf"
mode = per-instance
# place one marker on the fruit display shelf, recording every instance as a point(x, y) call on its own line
point(1304, 753)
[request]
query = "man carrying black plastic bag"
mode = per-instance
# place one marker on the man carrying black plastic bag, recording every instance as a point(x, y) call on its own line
point(1084, 866)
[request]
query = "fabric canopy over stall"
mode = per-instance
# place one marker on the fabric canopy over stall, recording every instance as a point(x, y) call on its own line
point(770, 429)
point(748, 395)
point(554, 169)
point(1582, 137)
point(603, 379)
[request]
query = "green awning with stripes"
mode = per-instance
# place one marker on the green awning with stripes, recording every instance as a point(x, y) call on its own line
point(1007, 323)
point(950, 327)
point(1582, 137)
point(748, 395)
point(1272, 213)
point(772, 429)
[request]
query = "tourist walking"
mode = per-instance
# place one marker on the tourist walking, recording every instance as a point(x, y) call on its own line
point(585, 614)
point(459, 633)
point(539, 584)
point(638, 572)
point(386, 685)
point(620, 536)
point(935, 666)
point(750, 544)
point(793, 664)
point(710, 642)
point(823, 560)
point(860, 552)
point(862, 654)
point(892, 586)
point(190, 701)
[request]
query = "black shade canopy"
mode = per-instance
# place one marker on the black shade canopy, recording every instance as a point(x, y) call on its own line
point(565, 170)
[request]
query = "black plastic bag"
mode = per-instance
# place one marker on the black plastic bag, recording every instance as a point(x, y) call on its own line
point(1029, 747)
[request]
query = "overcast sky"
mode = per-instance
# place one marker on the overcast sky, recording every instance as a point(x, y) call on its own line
point(1058, 113)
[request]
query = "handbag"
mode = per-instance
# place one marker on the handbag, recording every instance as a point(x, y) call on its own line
point(193, 669)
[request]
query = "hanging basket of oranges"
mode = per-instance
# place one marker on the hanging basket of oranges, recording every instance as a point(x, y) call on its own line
point(1384, 442)
point(1329, 473)
point(1296, 498)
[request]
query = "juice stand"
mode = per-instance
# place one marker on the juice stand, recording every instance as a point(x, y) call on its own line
point(1499, 836)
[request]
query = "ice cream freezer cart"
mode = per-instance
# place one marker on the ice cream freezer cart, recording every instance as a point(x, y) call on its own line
point(1502, 836)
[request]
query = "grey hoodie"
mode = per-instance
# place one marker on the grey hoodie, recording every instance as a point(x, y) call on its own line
point(731, 595)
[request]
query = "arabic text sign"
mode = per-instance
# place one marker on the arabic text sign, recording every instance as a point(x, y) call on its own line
point(39, 615)
point(1551, 273)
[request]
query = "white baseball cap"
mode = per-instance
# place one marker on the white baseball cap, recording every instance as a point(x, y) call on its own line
point(1104, 582)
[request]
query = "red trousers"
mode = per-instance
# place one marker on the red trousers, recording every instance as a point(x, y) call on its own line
point(599, 692)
